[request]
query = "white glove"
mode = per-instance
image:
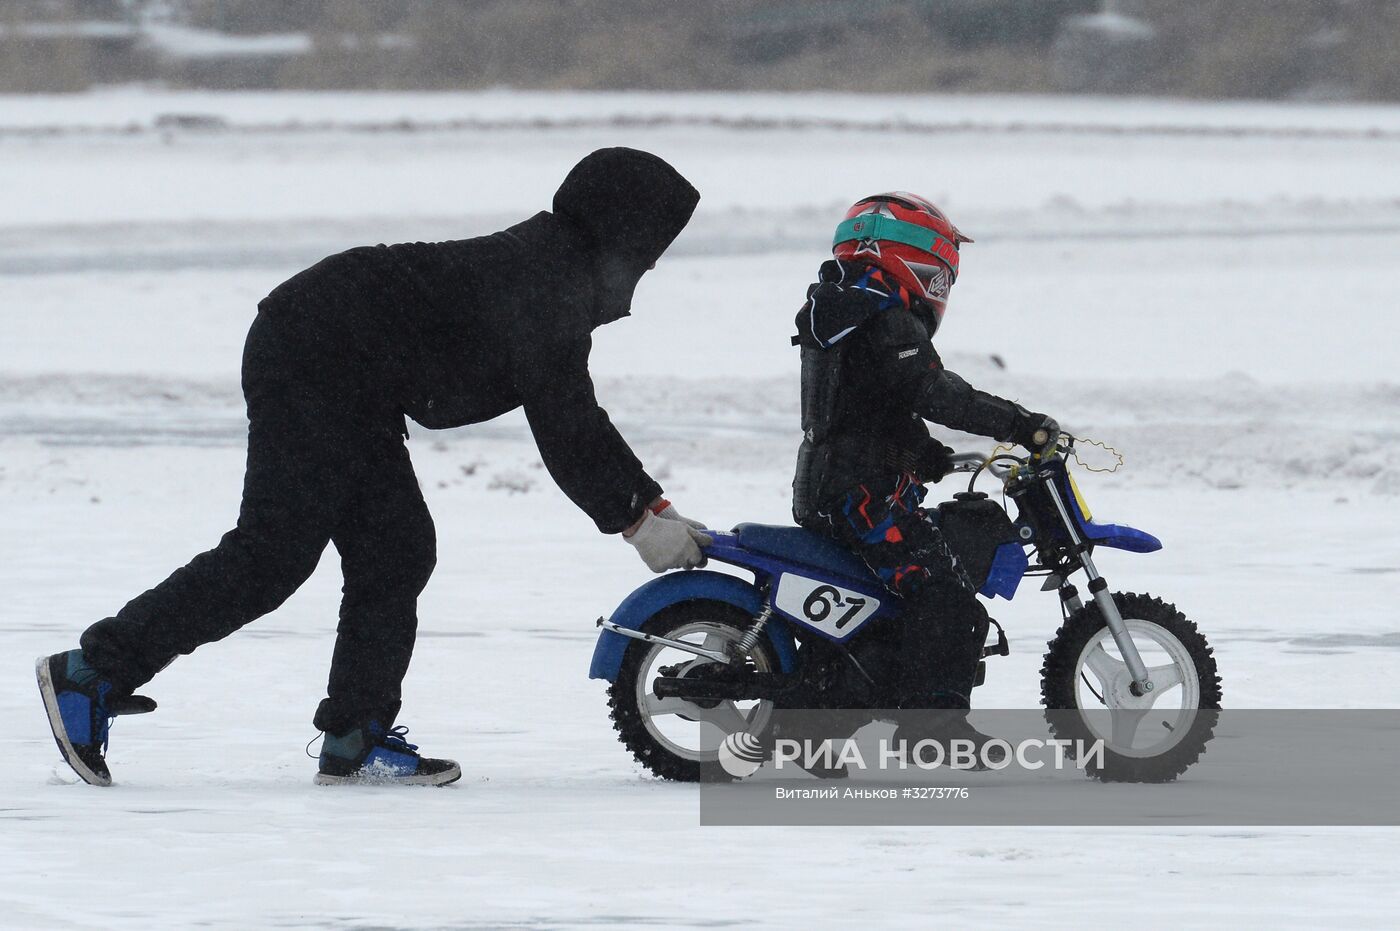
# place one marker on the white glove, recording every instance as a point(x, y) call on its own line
point(670, 513)
point(668, 544)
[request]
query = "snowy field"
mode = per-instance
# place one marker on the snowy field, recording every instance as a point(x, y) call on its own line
point(1210, 288)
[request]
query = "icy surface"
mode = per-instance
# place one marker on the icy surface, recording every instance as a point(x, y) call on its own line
point(1218, 304)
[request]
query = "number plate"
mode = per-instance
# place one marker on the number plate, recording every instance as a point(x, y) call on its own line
point(835, 611)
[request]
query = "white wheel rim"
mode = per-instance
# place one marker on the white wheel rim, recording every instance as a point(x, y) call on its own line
point(1138, 725)
point(684, 728)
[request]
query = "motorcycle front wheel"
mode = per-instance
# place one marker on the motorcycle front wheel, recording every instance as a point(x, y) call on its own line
point(1089, 697)
point(673, 738)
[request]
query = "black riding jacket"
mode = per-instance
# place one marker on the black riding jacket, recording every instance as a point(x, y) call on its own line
point(456, 333)
point(870, 378)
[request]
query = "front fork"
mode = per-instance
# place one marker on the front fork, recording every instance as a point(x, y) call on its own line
point(1098, 588)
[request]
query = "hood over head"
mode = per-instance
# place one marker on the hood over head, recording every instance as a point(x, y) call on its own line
point(629, 206)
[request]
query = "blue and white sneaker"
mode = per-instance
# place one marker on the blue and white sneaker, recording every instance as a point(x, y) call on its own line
point(81, 705)
point(373, 756)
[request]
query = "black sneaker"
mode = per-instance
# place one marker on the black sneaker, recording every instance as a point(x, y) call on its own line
point(373, 756)
point(80, 705)
point(945, 738)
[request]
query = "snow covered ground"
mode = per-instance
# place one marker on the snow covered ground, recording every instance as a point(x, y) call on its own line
point(1210, 288)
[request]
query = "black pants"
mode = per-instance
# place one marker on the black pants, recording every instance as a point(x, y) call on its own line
point(326, 462)
point(943, 626)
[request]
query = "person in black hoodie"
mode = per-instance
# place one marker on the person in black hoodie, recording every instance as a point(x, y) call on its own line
point(447, 334)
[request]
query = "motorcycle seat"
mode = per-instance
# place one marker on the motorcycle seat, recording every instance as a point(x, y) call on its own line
point(801, 546)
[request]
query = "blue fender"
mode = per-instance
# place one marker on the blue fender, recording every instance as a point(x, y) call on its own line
point(1120, 537)
point(640, 606)
point(1009, 565)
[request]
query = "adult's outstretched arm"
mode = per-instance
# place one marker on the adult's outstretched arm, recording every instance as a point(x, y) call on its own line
point(584, 453)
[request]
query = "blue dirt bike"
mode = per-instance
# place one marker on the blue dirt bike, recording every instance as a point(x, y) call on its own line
point(692, 657)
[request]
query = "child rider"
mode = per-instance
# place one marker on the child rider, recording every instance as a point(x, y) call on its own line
point(870, 378)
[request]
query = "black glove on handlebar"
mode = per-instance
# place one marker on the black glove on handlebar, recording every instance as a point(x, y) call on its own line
point(1033, 424)
point(935, 461)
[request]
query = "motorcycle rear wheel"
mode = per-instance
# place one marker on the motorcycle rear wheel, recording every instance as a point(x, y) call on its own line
point(667, 736)
point(1085, 688)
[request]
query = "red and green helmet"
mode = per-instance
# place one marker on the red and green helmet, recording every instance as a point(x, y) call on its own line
point(908, 238)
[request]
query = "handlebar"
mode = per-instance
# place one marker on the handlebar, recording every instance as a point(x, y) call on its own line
point(1002, 466)
point(971, 462)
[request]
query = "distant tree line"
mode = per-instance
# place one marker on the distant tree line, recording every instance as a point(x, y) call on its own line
point(1203, 48)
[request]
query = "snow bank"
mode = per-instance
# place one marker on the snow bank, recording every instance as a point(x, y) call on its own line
point(125, 107)
point(1228, 433)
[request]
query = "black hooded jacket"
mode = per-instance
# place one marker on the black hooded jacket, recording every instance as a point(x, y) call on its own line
point(459, 332)
point(870, 378)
